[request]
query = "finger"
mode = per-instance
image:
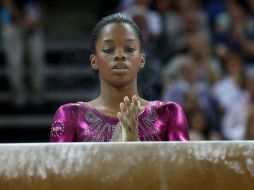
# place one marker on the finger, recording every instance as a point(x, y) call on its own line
point(140, 109)
point(131, 108)
point(122, 116)
point(133, 117)
point(126, 101)
point(137, 107)
point(121, 119)
point(134, 98)
point(122, 107)
point(126, 111)
point(127, 104)
point(119, 115)
point(128, 116)
point(132, 114)
point(135, 103)
point(134, 122)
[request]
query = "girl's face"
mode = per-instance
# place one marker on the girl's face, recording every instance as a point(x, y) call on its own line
point(118, 57)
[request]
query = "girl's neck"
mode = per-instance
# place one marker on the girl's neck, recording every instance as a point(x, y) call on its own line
point(112, 97)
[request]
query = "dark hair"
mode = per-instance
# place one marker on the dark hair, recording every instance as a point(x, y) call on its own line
point(114, 18)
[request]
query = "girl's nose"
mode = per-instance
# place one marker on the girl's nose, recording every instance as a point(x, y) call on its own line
point(120, 54)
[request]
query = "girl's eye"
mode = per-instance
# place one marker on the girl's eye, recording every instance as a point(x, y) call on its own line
point(108, 50)
point(129, 50)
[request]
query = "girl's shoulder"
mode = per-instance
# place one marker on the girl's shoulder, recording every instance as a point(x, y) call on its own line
point(73, 106)
point(163, 109)
point(163, 105)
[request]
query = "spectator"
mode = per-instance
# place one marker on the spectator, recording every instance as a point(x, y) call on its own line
point(209, 68)
point(188, 18)
point(22, 35)
point(199, 126)
point(231, 97)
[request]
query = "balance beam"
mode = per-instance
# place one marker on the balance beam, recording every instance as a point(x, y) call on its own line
point(225, 165)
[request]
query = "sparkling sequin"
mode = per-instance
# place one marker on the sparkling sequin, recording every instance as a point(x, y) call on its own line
point(57, 129)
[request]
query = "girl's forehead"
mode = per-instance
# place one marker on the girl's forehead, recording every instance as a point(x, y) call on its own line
point(115, 30)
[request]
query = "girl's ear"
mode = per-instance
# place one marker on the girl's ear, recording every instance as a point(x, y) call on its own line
point(93, 61)
point(142, 60)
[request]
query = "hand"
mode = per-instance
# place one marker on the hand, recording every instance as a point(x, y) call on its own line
point(128, 118)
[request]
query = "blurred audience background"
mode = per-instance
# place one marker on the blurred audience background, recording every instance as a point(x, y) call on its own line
point(200, 54)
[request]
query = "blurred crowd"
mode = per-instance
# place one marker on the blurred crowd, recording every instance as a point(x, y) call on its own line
point(200, 54)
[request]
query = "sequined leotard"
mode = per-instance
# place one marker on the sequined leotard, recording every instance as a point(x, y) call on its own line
point(81, 122)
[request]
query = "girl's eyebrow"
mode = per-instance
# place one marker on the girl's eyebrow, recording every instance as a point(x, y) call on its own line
point(108, 41)
point(111, 41)
point(130, 39)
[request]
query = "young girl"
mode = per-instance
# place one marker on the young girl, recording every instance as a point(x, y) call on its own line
point(118, 114)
